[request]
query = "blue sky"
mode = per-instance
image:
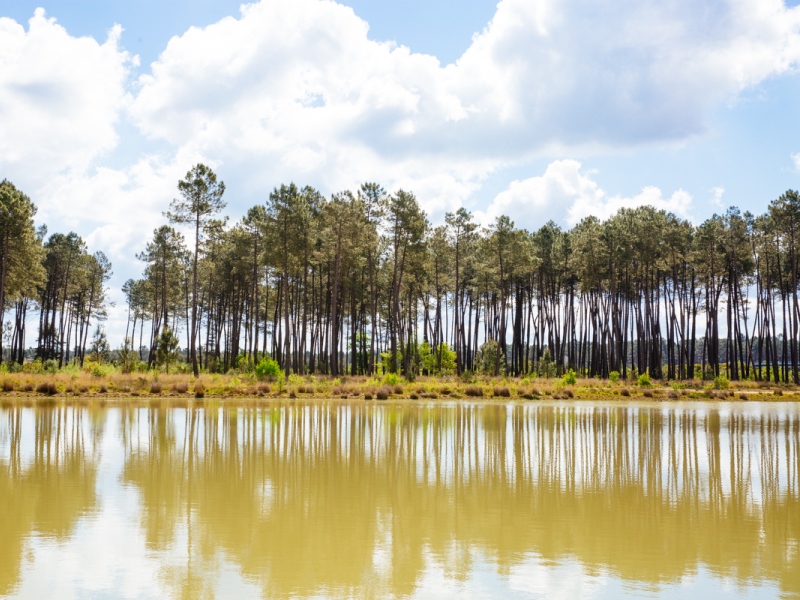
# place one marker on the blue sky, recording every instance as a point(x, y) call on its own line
point(540, 109)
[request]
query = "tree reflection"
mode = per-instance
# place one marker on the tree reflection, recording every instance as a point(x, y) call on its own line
point(46, 485)
point(359, 499)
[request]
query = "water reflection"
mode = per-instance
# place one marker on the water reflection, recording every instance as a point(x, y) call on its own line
point(47, 478)
point(361, 499)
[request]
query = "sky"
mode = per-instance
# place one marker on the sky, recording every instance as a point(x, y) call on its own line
point(537, 109)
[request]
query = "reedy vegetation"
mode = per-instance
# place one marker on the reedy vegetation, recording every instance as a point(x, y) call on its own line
point(361, 283)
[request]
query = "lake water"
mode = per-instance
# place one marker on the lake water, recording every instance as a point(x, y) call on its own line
point(390, 500)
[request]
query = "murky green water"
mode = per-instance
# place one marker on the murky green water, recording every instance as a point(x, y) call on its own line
point(398, 500)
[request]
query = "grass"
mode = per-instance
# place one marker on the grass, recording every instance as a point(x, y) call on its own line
point(176, 389)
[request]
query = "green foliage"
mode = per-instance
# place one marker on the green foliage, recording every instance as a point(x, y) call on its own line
point(127, 357)
point(167, 352)
point(570, 378)
point(721, 383)
point(267, 368)
point(391, 379)
point(486, 361)
point(295, 380)
point(431, 359)
point(99, 351)
point(547, 368)
point(244, 363)
point(644, 380)
point(614, 376)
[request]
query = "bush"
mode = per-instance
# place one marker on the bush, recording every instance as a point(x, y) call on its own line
point(614, 376)
point(199, 389)
point(391, 379)
point(155, 387)
point(644, 380)
point(267, 367)
point(721, 383)
point(383, 393)
point(570, 378)
point(502, 391)
point(473, 391)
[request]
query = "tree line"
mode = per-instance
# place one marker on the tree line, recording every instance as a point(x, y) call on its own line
point(361, 282)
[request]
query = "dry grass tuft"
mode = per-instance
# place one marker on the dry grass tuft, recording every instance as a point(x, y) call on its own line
point(743, 396)
point(414, 396)
point(647, 393)
point(624, 392)
point(103, 389)
point(502, 391)
point(265, 388)
point(779, 392)
point(181, 387)
point(8, 385)
point(155, 387)
point(568, 393)
point(398, 389)
point(383, 393)
point(473, 391)
point(47, 387)
point(199, 389)
point(367, 396)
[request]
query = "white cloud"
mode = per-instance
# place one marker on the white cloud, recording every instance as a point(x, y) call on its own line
point(566, 195)
point(796, 160)
point(717, 193)
point(60, 97)
point(297, 90)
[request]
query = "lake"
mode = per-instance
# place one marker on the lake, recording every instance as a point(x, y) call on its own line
point(401, 499)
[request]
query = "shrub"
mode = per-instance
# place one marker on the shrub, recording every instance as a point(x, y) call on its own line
point(721, 383)
point(624, 392)
point(267, 367)
point(383, 393)
point(614, 376)
point(644, 380)
point(8, 385)
point(391, 379)
point(398, 389)
point(367, 396)
point(570, 378)
point(181, 387)
point(103, 389)
point(155, 387)
point(199, 389)
point(502, 391)
point(473, 391)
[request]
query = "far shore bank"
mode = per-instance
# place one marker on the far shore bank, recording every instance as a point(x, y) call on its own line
point(179, 389)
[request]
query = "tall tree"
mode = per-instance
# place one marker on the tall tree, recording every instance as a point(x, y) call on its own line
point(200, 199)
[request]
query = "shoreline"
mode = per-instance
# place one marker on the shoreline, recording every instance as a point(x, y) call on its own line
point(78, 387)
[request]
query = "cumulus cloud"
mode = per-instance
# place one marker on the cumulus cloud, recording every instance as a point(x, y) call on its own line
point(60, 97)
point(298, 90)
point(796, 160)
point(566, 195)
